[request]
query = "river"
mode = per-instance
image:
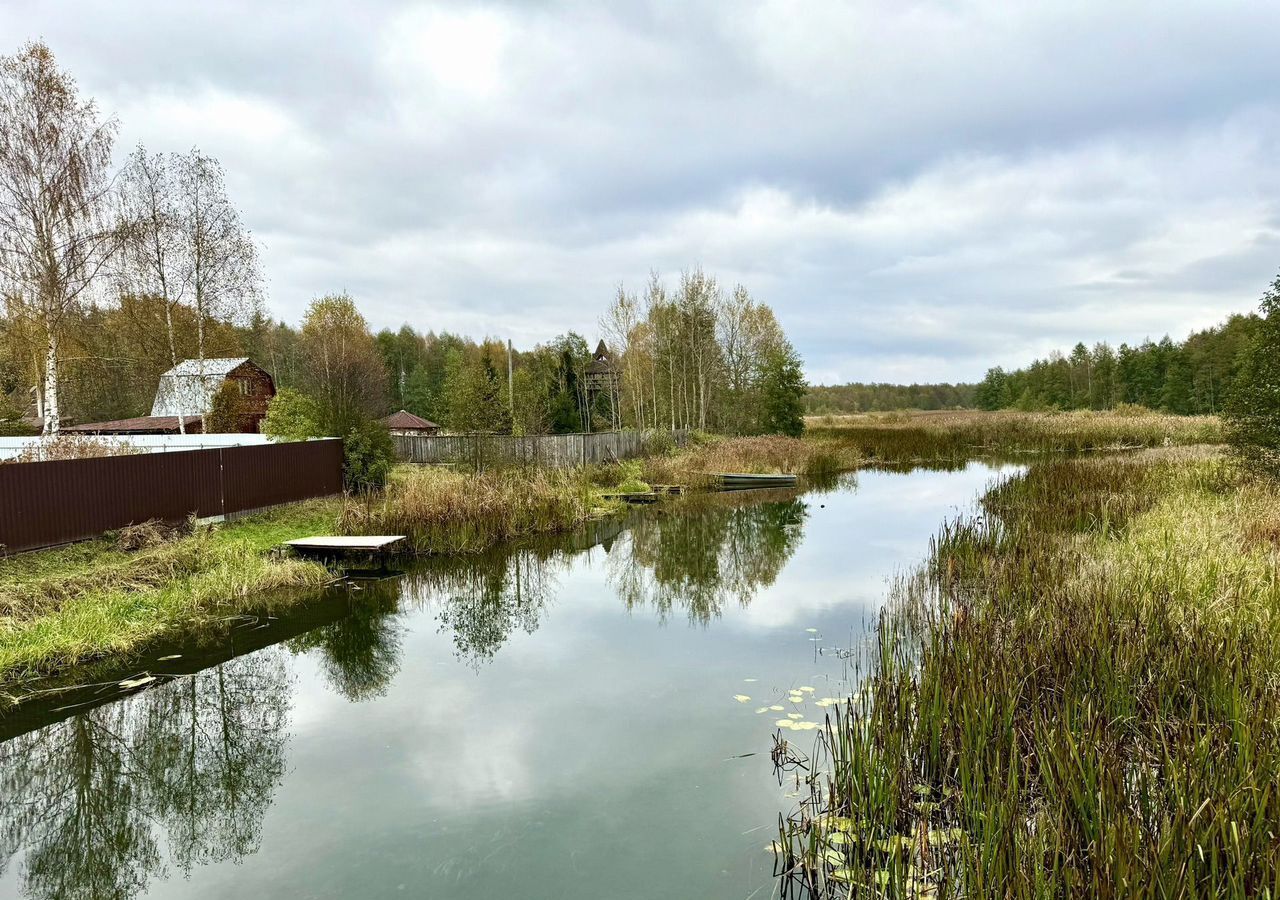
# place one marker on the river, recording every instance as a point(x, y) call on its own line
point(584, 717)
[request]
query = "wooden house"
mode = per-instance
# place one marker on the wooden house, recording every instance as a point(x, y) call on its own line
point(188, 389)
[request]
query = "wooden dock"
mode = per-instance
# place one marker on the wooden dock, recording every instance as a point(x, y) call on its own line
point(338, 544)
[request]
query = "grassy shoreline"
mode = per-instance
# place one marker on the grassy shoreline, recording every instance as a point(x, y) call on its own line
point(74, 604)
point(1077, 695)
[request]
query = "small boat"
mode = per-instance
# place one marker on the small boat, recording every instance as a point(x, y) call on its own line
point(735, 481)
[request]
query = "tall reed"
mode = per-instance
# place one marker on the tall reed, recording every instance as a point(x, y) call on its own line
point(1078, 695)
point(444, 511)
point(771, 454)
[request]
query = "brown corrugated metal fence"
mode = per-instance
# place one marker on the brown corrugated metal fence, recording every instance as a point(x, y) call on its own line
point(47, 503)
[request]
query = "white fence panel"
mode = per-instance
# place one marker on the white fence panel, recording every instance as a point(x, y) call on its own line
point(11, 447)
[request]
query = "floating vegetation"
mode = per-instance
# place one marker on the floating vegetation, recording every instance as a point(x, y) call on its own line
point(741, 698)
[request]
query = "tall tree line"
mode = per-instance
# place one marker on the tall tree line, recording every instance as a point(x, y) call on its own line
point(1195, 376)
point(700, 356)
point(857, 397)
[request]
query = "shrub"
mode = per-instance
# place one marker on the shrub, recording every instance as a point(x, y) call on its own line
point(658, 443)
point(226, 411)
point(292, 416)
point(368, 453)
point(631, 481)
point(17, 428)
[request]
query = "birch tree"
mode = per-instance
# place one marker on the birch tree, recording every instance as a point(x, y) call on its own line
point(223, 277)
point(55, 237)
point(152, 261)
point(344, 371)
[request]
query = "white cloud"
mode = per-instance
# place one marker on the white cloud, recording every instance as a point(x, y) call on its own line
point(919, 189)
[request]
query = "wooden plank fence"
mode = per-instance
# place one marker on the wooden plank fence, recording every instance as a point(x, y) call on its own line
point(548, 451)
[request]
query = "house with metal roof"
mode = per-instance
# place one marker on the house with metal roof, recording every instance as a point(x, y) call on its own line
point(188, 389)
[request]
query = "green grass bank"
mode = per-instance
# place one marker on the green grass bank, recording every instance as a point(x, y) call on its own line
point(121, 592)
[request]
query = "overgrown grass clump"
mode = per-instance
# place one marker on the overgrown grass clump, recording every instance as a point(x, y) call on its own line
point(1079, 695)
point(72, 604)
point(813, 457)
point(903, 438)
point(446, 511)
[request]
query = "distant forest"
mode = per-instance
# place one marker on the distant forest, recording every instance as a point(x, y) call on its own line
point(881, 397)
point(1191, 377)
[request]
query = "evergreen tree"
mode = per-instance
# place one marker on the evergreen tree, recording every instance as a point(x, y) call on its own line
point(782, 392)
point(1253, 410)
point(993, 391)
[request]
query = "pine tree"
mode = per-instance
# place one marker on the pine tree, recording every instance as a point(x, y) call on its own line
point(1253, 410)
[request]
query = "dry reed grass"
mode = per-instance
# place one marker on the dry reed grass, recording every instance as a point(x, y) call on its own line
point(772, 454)
point(444, 511)
point(1079, 695)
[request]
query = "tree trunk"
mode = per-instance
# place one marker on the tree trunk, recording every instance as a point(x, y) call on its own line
point(52, 418)
point(173, 361)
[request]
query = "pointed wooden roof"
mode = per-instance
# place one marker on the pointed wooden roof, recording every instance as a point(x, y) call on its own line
point(407, 421)
point(601, 361)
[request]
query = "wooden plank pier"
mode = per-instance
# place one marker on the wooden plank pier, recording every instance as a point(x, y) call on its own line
point(338, 544)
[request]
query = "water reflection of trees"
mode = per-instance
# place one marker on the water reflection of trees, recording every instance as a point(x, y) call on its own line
point(483, 600)
point(700, 561)
point(196, 760)
point(360, 652)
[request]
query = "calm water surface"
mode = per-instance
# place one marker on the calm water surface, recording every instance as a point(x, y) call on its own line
point(555, 722)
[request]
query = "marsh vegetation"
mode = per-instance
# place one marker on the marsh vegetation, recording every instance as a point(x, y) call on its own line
point(1075, 695)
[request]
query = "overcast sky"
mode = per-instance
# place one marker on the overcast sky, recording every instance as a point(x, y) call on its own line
point(920, 190)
